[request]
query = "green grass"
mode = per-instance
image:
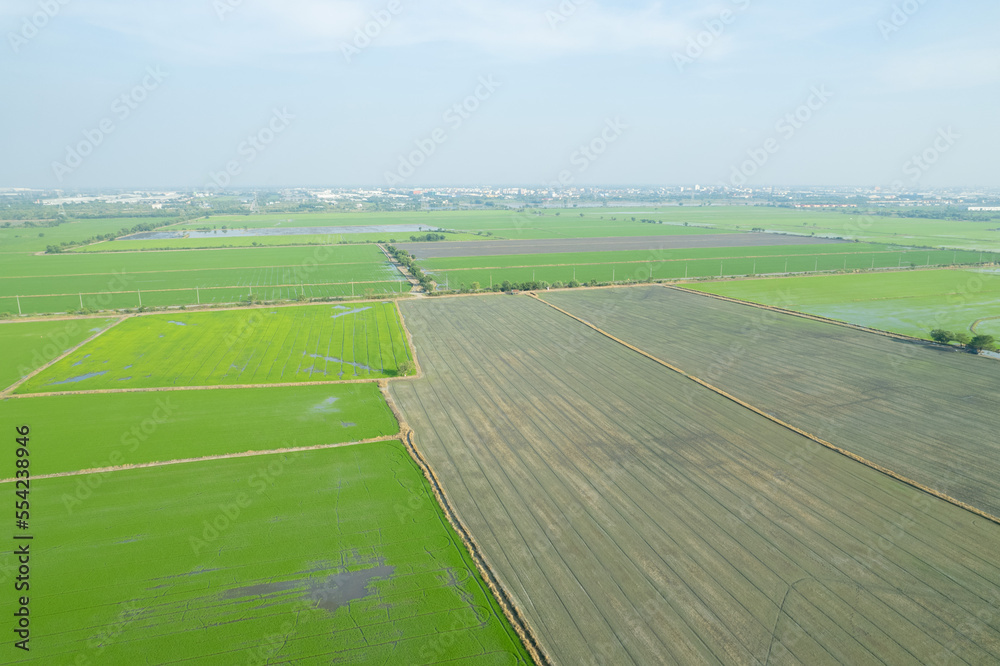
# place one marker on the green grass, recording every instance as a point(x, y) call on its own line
point(21, 239)
point(908, 302)
point(29, 345)
point(869, 228)
point(59, 283)
point(95, 431)
point(248, 346)
point(338, 555)
point(677, 264)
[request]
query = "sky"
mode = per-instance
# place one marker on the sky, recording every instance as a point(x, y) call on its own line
point(400, 93)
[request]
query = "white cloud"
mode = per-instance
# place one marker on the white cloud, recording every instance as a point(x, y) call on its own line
point(191, 30)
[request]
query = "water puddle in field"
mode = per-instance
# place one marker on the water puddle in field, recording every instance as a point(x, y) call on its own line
point(347, 424)
point(80, 378)
point(179, 323)
point(124, 379)
point(349, 312)
point(126, 367)
point(334, 359)
point(326, 406)
point(329, 593)
point(313, 370)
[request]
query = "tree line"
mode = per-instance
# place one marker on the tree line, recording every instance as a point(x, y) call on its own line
point(975, 343)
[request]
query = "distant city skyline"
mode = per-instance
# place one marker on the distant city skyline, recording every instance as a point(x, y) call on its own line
point(738, 93)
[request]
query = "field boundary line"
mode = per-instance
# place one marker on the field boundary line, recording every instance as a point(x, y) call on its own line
point(7, 392)
point(221, 456)
point(510, 610)
point(820, 318)
point(844, 452)
point(157, 389)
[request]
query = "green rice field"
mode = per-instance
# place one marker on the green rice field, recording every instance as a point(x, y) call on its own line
point(331, 556)
point(622, 266)
point(94, 431)
point(908, 302)
point(68, 282)
point(29, 345)
point(236, 347)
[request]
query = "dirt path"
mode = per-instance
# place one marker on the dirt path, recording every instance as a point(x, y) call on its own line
point(415, 287)
point(976, 323)
point(774, 419)
point(225, 456)
point(156, 389)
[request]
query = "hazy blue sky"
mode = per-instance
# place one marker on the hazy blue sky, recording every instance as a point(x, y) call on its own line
point(895, 80)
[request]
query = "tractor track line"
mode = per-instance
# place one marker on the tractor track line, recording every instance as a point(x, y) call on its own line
point(844, 452)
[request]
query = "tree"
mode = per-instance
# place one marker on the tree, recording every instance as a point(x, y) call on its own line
point(981, 342)
point(942, 336)
point(475, 286)
point(404, 368)
point(962, 338)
